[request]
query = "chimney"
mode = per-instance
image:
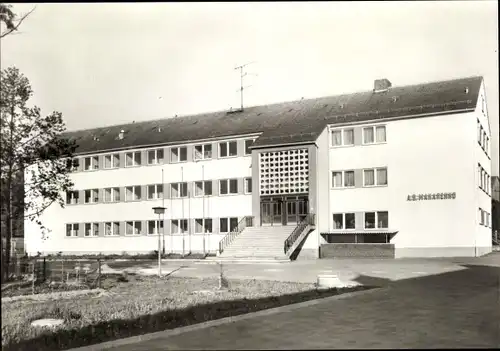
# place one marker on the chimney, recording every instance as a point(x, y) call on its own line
point(381, 85)
point(120, 136)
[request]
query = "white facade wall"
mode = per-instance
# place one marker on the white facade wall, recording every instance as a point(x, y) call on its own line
point(422, 156)
point(214, 207)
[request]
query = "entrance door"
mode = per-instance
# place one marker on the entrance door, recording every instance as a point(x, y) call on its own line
point(266, 213)
point(291, 212)
point(303, 209)
point(277, 212)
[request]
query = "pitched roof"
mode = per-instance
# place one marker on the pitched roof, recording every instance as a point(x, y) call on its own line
point(288, 122)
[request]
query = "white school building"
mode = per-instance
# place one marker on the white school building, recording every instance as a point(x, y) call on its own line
point(389, 172)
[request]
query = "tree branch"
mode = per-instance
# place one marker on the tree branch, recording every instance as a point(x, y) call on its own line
point(18, 24)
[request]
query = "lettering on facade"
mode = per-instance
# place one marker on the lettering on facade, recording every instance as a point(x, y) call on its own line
point(432, 196)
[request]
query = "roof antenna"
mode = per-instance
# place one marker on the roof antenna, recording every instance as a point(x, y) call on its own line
point(242, 75)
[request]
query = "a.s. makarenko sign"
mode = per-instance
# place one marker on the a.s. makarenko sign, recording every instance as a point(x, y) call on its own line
point(432, 196)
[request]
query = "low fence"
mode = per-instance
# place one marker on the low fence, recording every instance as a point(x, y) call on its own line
point(56, 272)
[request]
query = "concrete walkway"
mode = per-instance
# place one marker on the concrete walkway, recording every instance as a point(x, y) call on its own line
point(454, 309)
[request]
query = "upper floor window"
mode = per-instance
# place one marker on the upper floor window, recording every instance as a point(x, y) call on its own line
point(133, 193)
point(155, 157)
point(111, 194)
point(248, 185)
point(91, 229)
point(482, 104)
point(481, 216)
point(178, 154)
point(203, 188)
point(91, 196)
point(203, 225)
point(377, 220)
point(203, 152)
point(73, 164)
point(112, 161)
point(343, 179)
point(343, 137)
point(375, 176)
point(179, 190)
point(248, 144)
point(179, 226)
point(72, 197)
point(155, 191)
point(72, 229)
point(133, 228)
point(91, 163)
point(133, 159)
point(228, 186)
point(344, 221)
point(111, 228)
point(228, 149)
point(373, 135)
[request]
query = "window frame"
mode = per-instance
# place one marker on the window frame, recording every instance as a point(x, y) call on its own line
point(203, 225)
point(92, 231)
point(134, 227)
point(180, 230)
point(92, 196)
point(228, 223)
point(203, 152)
point(245, 153)
point(158, 225)
point(342, 180)
point(247, 184)
point(228, 186)
point(73, 231)
point(344, 221)
point(376, 227)
point(134, 187)
point(374, 130)
point(178, 148)
point(342, 137)
point(71, 197)
point(227, 143)
point(156, 159)
point(179, 190)
point(203, 182)
point(133, 153)
point(94, 163)
point(375, 177)
point(112, 161)
point(155, 197)
point(112, 228)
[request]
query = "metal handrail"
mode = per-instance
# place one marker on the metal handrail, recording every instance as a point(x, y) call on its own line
point(246, 221)
point(308, 220)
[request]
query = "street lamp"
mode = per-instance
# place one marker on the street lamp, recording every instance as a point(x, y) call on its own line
point(159, 211)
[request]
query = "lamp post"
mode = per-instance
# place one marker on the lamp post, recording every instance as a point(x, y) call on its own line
point(159, 211)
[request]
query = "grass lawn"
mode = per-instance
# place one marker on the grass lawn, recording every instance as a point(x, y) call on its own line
point(142, 305)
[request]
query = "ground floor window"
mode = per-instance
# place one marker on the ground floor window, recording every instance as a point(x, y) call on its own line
point(155, 227)
point(228, 224)
point(344, 221)
point(203, 225)
point(133, 228)
point(91, 229)
point(72, 229)
point(376, 220)
point(179, 226)
point(111, 228)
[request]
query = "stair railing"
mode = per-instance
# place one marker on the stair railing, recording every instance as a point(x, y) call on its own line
point(307, 221)
point(246, 221)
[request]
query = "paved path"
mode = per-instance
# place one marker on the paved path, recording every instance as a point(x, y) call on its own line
point(454, 309)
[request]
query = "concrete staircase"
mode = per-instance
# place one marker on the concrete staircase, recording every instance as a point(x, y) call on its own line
point(259, 243)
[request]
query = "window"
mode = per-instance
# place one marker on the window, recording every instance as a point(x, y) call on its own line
point(248, 185)
point(91, 163)
point(481, 217)
point(487, 219)
point(377, 220)
point(344, 221)
point(228, 224)
point(203, 188)
point(111, 194)
point(133, 159)
point(179, 190)
point(487, 146)
point(179, 226)
point(155, 157)
point(133, 193)
point(111, 228)
point(228, 186)
point(482, 104)
point(248, 144)
point(203, 152)
point(343, 179)
point(112, 161)
point(91, 196)
point(91, 229)
point(178, 154)
point(155, 191)
point(72, 197)
point(203, 225)
point(133, 228)
point(373, 135)
point(73, 164)
point(155, 227)
point(375, 176)
point(479, 131)
point(228, 149)
point(343, 137)
point(72, 229)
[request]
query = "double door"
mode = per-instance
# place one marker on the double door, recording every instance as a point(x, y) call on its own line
point(283, 211)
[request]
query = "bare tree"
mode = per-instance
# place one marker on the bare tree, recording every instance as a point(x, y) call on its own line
point(11, 21)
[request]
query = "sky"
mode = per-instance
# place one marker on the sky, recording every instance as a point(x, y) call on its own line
point(109, 63)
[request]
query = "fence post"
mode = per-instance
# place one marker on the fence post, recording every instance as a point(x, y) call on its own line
point(33, 278)
point(99, 276)
point(44, 270)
